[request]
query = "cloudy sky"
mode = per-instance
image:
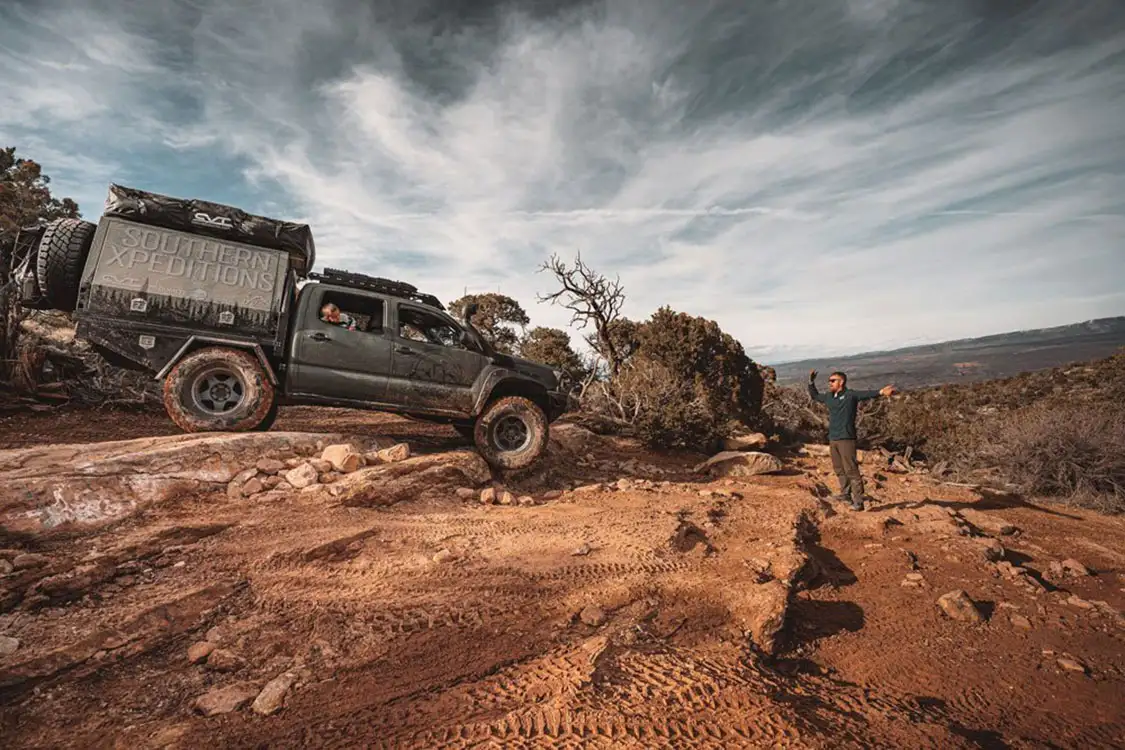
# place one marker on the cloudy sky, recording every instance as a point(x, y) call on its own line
point(820, 177)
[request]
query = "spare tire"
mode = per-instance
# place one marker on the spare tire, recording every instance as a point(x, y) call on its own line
point(62, 256)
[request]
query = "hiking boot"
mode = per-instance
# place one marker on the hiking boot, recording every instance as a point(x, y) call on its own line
point(839, 497)
point(856, 503)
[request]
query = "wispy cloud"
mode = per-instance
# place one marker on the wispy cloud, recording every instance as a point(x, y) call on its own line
point(817, 177)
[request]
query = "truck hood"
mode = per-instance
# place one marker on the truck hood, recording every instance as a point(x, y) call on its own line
point(545, 374)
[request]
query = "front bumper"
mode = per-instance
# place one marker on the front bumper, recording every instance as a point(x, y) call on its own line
point(561, 403)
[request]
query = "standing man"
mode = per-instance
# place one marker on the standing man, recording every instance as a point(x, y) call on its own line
point(842, 405)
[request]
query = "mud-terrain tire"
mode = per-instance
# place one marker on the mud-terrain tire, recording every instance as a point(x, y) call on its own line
point(512, 433)
point(62, 256)
point(216, 390)
point(269, 419)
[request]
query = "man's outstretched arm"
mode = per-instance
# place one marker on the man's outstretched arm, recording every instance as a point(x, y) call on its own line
point(814, 394)
point(887, 390)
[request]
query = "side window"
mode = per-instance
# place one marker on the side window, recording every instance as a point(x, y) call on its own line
point(427, 328)
point(354, 312)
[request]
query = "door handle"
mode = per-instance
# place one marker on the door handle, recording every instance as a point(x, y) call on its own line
point(404, 350)
point(319, 336)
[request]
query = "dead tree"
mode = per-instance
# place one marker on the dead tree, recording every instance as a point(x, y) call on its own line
point(592, 299)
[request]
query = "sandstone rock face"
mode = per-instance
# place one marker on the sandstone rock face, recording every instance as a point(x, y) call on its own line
point(395, 453)
point(430, 477)
point(740, 464)
point(45, 486)
point(753, 442)
point(572, 439)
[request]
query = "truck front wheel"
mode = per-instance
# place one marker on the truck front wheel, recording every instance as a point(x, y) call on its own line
point(512, 433)
point(218, 389)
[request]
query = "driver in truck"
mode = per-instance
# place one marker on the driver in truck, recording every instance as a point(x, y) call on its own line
point(331, 314)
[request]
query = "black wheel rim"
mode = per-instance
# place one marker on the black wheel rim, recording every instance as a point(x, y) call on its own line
point(218, 391)
point(510, 433)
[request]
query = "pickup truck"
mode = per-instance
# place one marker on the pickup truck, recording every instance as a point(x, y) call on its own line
point(222, 306)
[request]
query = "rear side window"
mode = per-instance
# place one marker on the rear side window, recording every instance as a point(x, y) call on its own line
point(367, 312)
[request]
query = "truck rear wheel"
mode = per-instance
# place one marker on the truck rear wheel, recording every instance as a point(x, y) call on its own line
point(512, 433)
point(62, 256)
point(218, 389)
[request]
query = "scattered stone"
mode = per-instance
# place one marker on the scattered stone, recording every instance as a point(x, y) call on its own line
point(506, 498)
point(443, 556)
point(582, 550)
point(283, 486)
point(270, 466)
point(592, 615)
point(197, 652)
point(1020, 622)
point(226, 699)
point(988, 522)
point(234, 486)
point(752, 442)
point(394, 454)
point(293, 463)
point(588, 488)
point(303, 476)
point(344, 458)
point(329, 477)
point(5, 567)
point(526, 500)
point(991, 550)
point(1008, 570)
point(958, 606)
point(222, 660)
point(1075, 568)
point(271, 481)
point(624, 484)
point(1077, 601)
point(552, 495)
point(8, 645)
point(253, 487)
point(488, 496)
point(270, 700)
point(466, 493)
point(1071, 665)
point(740, 464)
point(321, 466)
point(29, 560)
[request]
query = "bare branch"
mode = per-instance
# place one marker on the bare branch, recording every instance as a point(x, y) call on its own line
point(592, 300)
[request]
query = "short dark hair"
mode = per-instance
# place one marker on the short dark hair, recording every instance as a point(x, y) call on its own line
point(843, 377)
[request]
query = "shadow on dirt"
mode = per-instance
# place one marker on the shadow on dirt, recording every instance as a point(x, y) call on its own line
point(811, 621)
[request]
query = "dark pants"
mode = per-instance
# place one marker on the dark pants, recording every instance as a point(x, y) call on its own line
point(846, 466)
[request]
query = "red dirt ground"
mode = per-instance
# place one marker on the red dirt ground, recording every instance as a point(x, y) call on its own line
point(492, 644)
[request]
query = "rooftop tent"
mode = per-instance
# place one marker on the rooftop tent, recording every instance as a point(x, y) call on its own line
point(214, 220)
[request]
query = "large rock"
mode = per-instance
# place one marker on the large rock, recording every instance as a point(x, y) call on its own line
point(428, 477)
point(958, 606)
point(740, 464)
point(573, 439)
point(270, 700)
point(303, 476)
point(752, 442)
point(344, 458)
point(45, 486)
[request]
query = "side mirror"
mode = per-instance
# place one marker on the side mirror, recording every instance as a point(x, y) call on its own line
point(470, 311)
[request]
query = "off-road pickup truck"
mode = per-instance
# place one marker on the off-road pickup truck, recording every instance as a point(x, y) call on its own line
point(223, 307)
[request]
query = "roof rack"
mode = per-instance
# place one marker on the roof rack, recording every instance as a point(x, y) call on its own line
point(376, 284)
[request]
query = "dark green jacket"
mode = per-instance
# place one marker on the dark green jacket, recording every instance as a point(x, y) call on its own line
point(841, 410)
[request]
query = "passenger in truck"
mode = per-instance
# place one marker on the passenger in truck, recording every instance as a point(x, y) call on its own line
point(331, 314)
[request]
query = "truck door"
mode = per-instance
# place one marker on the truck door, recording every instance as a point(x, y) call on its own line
point(346, 362)
point(432, 369)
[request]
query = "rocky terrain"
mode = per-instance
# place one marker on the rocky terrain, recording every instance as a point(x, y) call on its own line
point(359, 580)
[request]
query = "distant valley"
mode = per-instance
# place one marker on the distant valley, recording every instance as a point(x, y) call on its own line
point(968, 360)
